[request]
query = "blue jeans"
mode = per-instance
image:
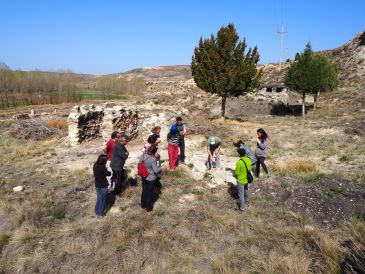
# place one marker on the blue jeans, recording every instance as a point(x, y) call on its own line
point(100, 200)
point(242, 194)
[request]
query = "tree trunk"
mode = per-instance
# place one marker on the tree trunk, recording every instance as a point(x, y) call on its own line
point(303, 105)
point(316, 96)
point(223, 113)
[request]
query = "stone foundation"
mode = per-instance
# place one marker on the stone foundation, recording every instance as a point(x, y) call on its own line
point(89, 122)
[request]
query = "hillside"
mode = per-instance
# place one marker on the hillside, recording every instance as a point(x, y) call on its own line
point(350, 59)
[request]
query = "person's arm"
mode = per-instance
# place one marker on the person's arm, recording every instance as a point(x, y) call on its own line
point(216, 152)
point(156, 169)
point(263, 144)
point(237, 169)
point(209, 153)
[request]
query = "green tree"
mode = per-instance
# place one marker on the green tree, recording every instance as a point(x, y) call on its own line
point(311, 73)
point(221, 65)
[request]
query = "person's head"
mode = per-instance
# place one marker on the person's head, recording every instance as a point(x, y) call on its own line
point(156, 130)
point(179, 120)
point(101, 160)
point(174, 129)
point(152, 139)
point(241, 152)
point(123, 139)
point(237, 143)
point(261, 134)
point(115, 135)
point(152, 150)
point(212, 141)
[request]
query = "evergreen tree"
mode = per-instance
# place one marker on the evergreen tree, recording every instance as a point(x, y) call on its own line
point(221, 65)
point(311, 73)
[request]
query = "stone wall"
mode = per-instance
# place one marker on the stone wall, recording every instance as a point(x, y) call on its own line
point(89, 122)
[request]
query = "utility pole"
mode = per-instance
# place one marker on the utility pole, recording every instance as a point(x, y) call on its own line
point(282, 33)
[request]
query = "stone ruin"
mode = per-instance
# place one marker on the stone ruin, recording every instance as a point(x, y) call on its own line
point(89, 122)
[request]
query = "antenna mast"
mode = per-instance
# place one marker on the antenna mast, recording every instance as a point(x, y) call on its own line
point(282, 33)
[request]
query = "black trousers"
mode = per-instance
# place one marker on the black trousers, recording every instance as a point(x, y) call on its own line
point(260, 161)
point(182, 150)
point(118, 176)
point(147, 194)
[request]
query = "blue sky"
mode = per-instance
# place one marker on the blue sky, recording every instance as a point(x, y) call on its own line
point(102, 37)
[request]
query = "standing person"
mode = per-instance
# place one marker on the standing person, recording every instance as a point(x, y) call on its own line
point(120, 155)
point(101, 184)
point(240, 144)
point(213, 148)
point(182, 132)
point(148, 183)
point(262, 143)
point(173, 146)
point(242, 166)
point(108, 150)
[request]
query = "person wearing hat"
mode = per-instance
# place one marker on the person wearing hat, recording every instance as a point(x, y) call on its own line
point(120, 155)
point(213, 148)
point(173, 146)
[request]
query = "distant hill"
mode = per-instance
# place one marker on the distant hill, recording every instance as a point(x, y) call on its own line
point(350, 59)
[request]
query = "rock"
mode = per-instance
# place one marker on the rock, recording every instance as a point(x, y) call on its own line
point(18, 188)
point(199, 189)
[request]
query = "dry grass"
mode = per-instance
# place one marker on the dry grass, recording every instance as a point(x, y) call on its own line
point(296, 167)
point(58, 123)
point(12, 150)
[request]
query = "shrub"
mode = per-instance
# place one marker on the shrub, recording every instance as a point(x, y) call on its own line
point(296, 167)
point(57, 123)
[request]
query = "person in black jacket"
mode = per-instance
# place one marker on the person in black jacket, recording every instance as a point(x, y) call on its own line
point(101, 184)
point(120, 155)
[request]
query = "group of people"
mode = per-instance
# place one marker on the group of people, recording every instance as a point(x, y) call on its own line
point(109, 175)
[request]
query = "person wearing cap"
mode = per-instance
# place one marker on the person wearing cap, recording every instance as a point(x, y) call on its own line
point(213, 148)
point(120, 155)
point(108, 150)
point(182, 132)
point(173, 146)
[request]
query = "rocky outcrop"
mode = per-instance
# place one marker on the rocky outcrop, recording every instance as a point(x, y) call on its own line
point(90, 122)
point(350, 59)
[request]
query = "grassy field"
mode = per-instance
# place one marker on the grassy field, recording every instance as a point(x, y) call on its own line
point(304, 219)
point(87, 94)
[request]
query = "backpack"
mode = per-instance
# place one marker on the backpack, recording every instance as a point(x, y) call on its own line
point(249, 174)
point(142, 169)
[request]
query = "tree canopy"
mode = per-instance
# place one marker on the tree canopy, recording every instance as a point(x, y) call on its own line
point(221, 65)
point(311, 73)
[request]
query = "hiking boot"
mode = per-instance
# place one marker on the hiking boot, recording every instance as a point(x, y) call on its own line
point(268, 175)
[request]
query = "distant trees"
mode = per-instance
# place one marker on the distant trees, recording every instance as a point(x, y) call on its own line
point(36, 87)
point(119, 85)
point(221, 65)
point(311, 73)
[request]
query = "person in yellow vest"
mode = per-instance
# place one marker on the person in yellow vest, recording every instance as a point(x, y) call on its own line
point(242, 166)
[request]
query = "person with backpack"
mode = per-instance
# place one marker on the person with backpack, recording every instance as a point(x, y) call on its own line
point(149, 176)
point(101, 184)
point(262, 147)
point(240, 144)
point(213, 148)
point(120, 155)
point(182, 132)
point(108, 150)
point(173, 146)
point(244, 177)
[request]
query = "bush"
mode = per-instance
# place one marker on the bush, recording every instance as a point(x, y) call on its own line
point(32, 129)
point(59, 212)
point(297, 167)
point(57, 123)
